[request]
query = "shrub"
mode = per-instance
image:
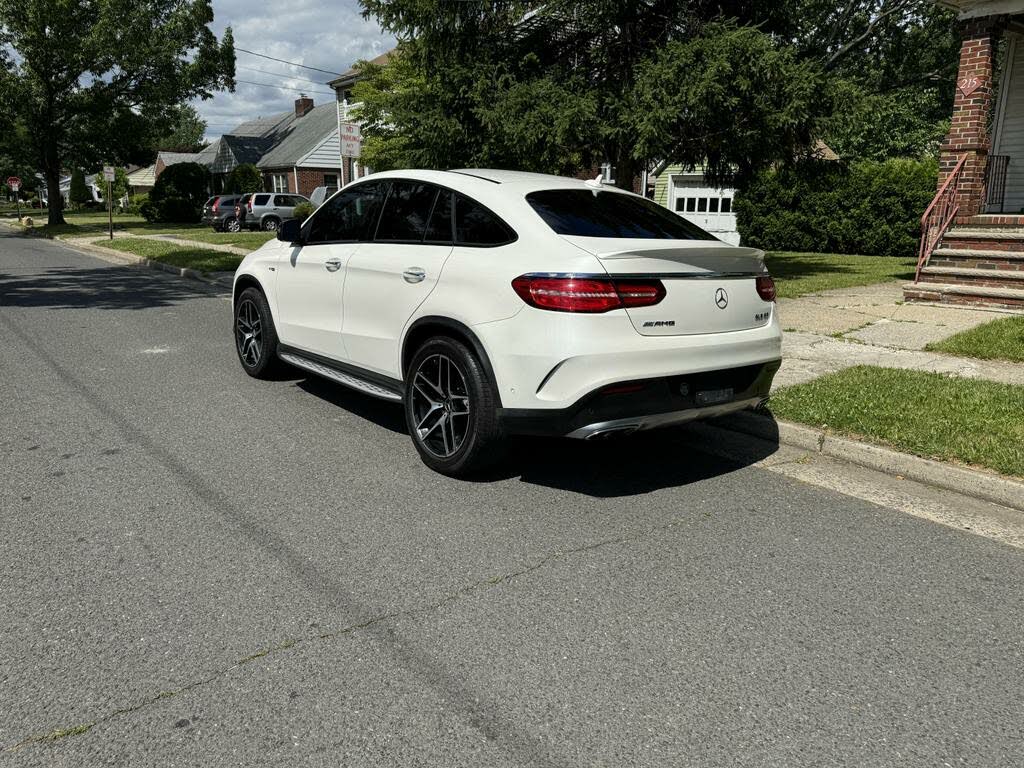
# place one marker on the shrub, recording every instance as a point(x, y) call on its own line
point(303, 211)
point(135, 203)
point(187, 181)
point(867, 207)
point(244, 178)
point(79, 193)
point(176, 210)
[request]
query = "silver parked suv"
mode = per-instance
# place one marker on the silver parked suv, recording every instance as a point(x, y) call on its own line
point(266, 210)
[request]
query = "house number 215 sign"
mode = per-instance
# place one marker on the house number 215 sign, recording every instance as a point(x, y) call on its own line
point(968, 85)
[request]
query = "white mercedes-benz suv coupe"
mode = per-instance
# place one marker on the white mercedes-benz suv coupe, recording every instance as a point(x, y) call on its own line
point(492, 303)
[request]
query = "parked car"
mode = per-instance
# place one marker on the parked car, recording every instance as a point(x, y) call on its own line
point(266, 210)
point(564, 308)
point(219, 213)
point(320, 194)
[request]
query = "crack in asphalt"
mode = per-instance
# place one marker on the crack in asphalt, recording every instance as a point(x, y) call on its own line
point(480, 586)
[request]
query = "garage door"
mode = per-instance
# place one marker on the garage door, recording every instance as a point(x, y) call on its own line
point(707, 207)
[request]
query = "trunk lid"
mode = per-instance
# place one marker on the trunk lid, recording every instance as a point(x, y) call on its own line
point(710, 286)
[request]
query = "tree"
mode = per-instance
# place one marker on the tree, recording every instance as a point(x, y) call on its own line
point(79, 193)
point(93, 79)
point(244, 178)
point(569, 85)
point(119, 186)
point(187, 181)
point(184, 132)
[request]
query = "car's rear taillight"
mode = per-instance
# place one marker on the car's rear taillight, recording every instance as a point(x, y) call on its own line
point(587, 294)
point(766, 287)
point(248, 205)
point(216, 201)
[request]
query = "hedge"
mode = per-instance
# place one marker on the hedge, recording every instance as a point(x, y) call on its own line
point(867, 207)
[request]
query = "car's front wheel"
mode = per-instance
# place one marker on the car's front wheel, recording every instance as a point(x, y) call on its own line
point(255, 335)
point(451, 409)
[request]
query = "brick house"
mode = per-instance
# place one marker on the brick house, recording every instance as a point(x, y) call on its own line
point(306, 153)
point(972, 235)
point(351, 168)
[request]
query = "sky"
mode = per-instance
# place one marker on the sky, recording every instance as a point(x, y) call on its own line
point(328, 34)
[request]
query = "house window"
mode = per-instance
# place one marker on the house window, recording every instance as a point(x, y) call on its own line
point(279, 182)
point(702, 205)
point(331, 180)
point(713, 205)
point(726, 205)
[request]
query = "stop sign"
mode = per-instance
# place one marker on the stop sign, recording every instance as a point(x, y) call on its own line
point(13, 182)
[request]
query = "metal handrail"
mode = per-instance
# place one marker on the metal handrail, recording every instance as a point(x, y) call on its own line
point(939, 216)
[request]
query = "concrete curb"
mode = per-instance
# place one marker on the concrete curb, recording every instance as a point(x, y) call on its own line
point(109, 254)
point(969, 482)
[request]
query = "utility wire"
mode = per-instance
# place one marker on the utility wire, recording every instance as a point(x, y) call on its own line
point(280, 75)
point(283, 88)
point(283, 61)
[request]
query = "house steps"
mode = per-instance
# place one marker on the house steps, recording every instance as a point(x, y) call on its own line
point(979, 262)
point(964, 295)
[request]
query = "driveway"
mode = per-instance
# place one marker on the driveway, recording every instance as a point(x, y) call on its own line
point(198, 568)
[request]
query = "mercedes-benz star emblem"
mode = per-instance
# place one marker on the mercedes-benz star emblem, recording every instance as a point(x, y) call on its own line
point(721, 298)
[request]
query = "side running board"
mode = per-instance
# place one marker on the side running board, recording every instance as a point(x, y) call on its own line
point(342, 377)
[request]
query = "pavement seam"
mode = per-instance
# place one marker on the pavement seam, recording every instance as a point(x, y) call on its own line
point(477, 587)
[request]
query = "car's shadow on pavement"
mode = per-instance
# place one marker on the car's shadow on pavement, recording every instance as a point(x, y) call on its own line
point(102, 288)
point(622, 466)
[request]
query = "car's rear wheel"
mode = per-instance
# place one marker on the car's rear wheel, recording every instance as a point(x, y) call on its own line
point(270, 224)
point(255, 335)
point(451, 409)
point(233, 225)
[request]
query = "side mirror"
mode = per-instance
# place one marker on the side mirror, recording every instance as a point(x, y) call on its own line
point(290, 231)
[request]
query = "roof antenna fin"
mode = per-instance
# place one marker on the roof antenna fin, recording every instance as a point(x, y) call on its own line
point(597, 181)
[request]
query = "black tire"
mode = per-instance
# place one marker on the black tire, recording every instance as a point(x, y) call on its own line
point(271, 223)
point(256, 345)
point(483, 442)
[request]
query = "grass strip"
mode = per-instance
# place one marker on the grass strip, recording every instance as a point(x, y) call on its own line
point(999, 340)
point(951, 419)
point(201, 259)
point(797, 274)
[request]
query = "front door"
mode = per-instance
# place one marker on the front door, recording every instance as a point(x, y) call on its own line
point(392, 275)
point(311, 277)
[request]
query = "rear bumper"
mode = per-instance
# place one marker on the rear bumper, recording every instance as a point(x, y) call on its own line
point(649, 403)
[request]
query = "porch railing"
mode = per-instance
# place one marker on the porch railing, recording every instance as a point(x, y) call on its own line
point(939, 216)
point(995, 182)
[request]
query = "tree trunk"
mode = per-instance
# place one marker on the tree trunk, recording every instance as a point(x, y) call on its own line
point(54, 201)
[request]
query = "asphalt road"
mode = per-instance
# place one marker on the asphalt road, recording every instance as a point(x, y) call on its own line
point(200, 569)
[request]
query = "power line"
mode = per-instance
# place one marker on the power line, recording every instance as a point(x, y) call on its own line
point(281, 75)
point(293, 63)
point(283, 88)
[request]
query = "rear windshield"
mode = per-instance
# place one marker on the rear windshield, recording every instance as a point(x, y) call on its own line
point(601, 213)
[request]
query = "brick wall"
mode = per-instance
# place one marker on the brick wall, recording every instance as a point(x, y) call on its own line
point(968, 130)
point(309, 178)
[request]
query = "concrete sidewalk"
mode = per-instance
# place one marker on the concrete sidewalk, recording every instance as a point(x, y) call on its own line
point(828, 331)
point(174, 239)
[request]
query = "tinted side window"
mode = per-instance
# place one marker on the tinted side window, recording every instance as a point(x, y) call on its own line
point(475, 225)
point(613, 214)
point(260, 199)
point(347, 216)
point(404, 218)
point(439, 230)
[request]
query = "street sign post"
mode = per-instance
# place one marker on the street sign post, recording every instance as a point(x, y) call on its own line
point(108, 174)
point(14, 184)
point(351, 139)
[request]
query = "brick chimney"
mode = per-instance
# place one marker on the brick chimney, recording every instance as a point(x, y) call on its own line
point(303, 104)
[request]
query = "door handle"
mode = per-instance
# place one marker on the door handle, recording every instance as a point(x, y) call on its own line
point(333, 265)
point(414, 275)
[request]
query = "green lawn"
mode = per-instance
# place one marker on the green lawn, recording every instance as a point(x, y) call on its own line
point(251, 240)
point(966, 420)
point(797, 274)
point(201, 259)
point(998, 340)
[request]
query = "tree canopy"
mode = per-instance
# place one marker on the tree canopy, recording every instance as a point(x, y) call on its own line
point(729, 85)
point(94, 81)
point(184, 131)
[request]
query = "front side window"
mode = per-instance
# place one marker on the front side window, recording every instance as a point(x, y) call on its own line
point(603, 213)
point(406, 210)
point(347, 216)
point(475, 225)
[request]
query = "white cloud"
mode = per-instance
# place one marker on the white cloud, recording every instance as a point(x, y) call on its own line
point(318, 33)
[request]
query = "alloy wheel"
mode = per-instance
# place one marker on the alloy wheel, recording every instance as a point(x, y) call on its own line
point(249, 332)
point(234, 225)
point(440, 406)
